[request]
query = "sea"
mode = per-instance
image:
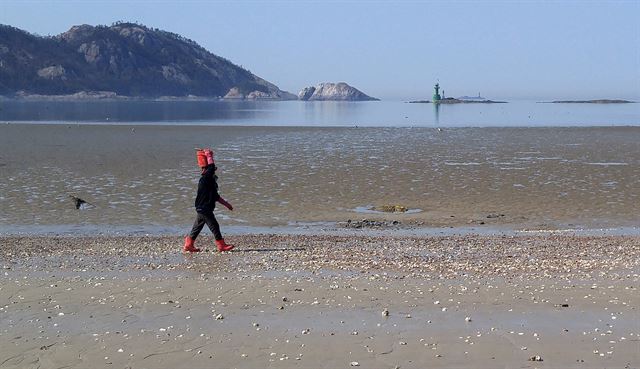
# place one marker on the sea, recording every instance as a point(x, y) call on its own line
point(309, 167)
point(321, 113)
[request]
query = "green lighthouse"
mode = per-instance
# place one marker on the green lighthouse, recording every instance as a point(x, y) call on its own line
point(436, 94)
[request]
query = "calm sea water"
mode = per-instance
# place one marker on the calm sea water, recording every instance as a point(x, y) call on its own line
point(317, 114)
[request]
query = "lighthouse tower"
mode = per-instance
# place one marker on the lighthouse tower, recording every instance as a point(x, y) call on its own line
point(436, 94)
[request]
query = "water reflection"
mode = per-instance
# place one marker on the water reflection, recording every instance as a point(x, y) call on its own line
point(132, 111)
point(333, 113)
point(321, 113)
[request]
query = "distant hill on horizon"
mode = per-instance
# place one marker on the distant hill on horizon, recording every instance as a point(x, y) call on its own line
point(124, 59)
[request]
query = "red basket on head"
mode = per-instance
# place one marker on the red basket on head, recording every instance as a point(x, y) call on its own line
point(202, 158)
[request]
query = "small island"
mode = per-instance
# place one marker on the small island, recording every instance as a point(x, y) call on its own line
point(333, 92)
point(451, 100)
point(598, 101)
point(440, 99)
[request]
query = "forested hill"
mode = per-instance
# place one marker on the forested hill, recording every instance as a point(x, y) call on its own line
point(126, 59)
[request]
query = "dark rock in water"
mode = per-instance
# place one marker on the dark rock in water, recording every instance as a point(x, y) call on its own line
point(121, 60)
point(333, 92)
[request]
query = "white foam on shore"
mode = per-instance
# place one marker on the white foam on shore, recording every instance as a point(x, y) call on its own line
point(462, 164)
point(608, 164)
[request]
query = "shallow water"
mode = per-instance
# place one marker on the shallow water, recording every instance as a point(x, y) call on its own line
point(144, 177)
point(321, 114)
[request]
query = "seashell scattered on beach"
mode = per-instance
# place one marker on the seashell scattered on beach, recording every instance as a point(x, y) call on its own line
point(354, 363)
point(535, 358)
point(385, 312)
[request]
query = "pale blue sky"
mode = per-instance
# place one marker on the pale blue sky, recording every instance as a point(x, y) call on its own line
point(394, 50)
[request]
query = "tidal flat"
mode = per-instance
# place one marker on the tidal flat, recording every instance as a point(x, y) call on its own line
point(141, 175)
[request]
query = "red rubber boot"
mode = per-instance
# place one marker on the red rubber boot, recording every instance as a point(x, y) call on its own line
point(222, 246)
point(188, 245)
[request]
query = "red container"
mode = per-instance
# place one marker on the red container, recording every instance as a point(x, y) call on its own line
point(202, 158)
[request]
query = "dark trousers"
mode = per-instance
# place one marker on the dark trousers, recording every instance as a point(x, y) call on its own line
point(211, 222)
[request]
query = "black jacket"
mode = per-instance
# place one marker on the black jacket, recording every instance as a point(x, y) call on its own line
point(207, 190)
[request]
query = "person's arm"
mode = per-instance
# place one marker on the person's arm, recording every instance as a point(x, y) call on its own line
point(209, 154)
point(225, 203)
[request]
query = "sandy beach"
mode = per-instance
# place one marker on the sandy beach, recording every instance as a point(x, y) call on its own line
point(285, 301)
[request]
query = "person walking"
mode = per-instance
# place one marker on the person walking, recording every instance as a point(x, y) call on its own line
point(205, 203)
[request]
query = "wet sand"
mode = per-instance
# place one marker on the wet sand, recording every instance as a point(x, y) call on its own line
point(321, 302)
point(136, 176)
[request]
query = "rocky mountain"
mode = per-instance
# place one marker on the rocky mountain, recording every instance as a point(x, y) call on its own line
point(333, 91)
point(124, 59)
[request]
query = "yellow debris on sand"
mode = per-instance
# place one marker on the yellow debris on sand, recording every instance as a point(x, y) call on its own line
point(391, 208)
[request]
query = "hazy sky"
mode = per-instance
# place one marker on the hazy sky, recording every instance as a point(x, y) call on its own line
point(395, 49)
